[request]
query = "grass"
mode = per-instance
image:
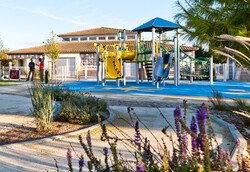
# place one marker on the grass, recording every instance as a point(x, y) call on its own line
point(9, 82)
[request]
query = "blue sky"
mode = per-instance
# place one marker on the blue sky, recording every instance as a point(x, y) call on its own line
point(27, 23)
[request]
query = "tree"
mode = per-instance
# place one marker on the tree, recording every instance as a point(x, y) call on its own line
point(52, 50)
point(3, 56)
point(204, 20)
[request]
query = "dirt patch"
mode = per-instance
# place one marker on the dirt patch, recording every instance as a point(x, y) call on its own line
point(29, 132)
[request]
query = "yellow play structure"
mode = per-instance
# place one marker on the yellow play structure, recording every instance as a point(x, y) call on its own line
point(114, 56)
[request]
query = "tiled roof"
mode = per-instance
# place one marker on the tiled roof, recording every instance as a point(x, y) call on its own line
point(96, 31)
point(84, 47)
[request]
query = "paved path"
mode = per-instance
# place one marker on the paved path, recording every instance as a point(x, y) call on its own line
point(40, 156)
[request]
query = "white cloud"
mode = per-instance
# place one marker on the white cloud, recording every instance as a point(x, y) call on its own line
point(67, 20)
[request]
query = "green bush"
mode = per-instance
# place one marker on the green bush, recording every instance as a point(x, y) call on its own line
point(78, 107)
point(43, 105)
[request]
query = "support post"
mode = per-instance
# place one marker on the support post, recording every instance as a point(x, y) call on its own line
point(124, 73)
point(157, 84)
point(153, 55)
point(103, 80)
point(10, 66)
point(62, 73)
point(175, 62)
point(211, 71)
point(124, 39)
point(86, 71)
point(178, 58)
point(227, 68)
point(233, 70)
point(137, 52)
point(118, 82)
point(137, 73)
point(191, 71)
point(224, 72)
point(97, 63)
point(19, 77)
point(142, 72)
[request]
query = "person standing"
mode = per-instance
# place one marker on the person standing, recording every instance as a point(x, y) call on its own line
point(32, 70)
point(41, 67)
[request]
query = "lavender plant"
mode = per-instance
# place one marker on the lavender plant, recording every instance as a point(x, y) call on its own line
point(202, 157)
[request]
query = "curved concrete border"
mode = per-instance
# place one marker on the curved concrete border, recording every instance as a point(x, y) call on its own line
point(236, 136)
point(59, 137)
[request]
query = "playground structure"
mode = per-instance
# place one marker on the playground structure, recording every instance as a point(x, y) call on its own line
point(151, 56)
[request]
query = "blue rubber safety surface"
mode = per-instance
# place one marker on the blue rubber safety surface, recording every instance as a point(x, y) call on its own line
point(228, 89)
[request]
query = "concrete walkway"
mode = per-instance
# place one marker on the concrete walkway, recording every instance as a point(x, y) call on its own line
point(39, 156)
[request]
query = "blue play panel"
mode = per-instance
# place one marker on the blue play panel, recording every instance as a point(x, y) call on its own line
point(201, 88)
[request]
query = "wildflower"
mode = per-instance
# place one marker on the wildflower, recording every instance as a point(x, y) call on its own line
point(201, 117)
point(105, 151)
point(69, 158)
point(177, 116)
point(139, 166)
point(81, 162)
point(193, 128)
point(88, 138)
point(137, 134)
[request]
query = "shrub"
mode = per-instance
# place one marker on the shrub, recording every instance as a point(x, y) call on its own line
point(79, 107)
point(43, 105)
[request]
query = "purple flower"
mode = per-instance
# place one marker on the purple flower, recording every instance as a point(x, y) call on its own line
point(88, 138)
point(69, 157)
point(81, 162)
point(177, 117)
point(201, 117)
point(183, 147)
point(193, 127)
point(140, 166)
point(137, 134)
point(105, 151)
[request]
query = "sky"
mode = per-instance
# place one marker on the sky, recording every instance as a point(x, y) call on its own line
point(28, 23)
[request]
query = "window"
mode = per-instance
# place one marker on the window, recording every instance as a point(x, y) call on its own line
point(102, 38)
point(83, 38)
point(131, 37)
point(65, 39)
point(111, 38)
point(92, 38)
point(74, 39)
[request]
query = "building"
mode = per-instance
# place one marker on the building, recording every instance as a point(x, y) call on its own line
point(77, 49)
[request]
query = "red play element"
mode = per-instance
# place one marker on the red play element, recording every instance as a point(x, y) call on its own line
point(14, 74)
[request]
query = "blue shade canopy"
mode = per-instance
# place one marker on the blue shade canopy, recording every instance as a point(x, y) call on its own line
point(159, 24)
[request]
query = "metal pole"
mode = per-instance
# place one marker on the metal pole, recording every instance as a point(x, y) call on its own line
point(97, 63)
point(142, 72)
point(178, 58)
point(124, 39)
point(153, 54)
point(233, 66)
point(124, 73)
point(137, 65)
point(86, 71)
point(103, 80)
point(19, 77)
point(62, 72)
point(211, 71)
point(175, 62)
point(224, 72)
point(160, 49)
point(10, 66)
point(137, 73)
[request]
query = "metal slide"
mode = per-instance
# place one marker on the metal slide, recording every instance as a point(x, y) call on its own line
point(162, 67)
